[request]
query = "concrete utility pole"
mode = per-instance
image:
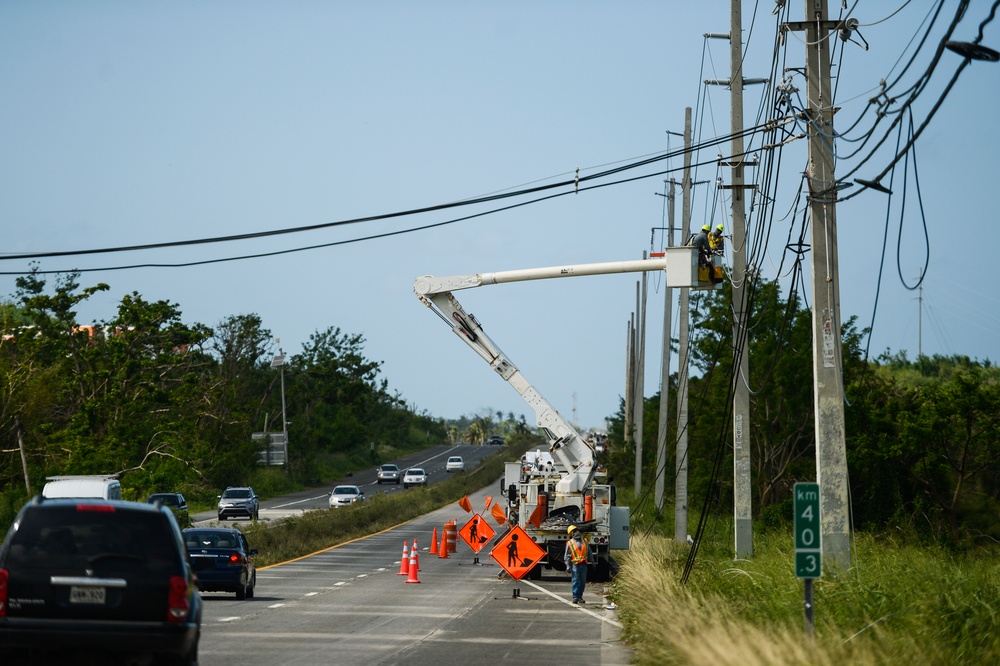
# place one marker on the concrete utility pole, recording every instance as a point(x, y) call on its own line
point(661, 431)
point(828, 380)
point(629, 382)
point(742, 488)
point(640, 362)
point(680, 478)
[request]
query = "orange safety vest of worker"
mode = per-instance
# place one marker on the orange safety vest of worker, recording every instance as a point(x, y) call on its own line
point(577, 553)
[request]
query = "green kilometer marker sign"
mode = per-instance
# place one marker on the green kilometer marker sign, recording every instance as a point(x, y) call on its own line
point(808, 547)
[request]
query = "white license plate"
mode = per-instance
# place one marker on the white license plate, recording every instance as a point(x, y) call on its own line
point(87, 595)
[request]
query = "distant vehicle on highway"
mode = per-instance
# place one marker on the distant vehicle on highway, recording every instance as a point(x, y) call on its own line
point(346, 496)
point(222, 560)
point(388, 473)
point(495, 440)
point(176, 503)
point(415, 476)
point(97, 486)
point(241, 501)
point(455, 464)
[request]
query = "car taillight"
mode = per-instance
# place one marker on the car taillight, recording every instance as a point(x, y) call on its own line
point(104, 508)
point(177, 599)
point(4, 576)
point(235, 558)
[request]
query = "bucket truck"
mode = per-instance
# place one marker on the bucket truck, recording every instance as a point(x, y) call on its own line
point(548, 493)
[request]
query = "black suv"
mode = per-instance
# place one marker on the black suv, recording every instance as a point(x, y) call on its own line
point(239, 501)
point(108, 577)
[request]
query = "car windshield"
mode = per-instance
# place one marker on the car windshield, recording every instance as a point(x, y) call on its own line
point(416, 471)
point(241, 493)
point(455, 459)
point(346, 490)
point(68, 537)
point(170, 500)
point(219, 539)
point(389, 468)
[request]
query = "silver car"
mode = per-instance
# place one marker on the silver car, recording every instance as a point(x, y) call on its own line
point(455, 464)
point(346, 496)
point(388, 473)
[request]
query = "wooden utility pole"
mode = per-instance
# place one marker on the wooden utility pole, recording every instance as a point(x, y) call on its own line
point(828, 381)
point(661, 431)
point(680, 476)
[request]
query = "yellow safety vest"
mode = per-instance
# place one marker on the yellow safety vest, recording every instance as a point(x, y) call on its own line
point(577, 553)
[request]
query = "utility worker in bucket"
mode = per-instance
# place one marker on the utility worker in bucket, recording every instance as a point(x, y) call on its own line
point(716, 241)
point(576, 562)
point(700, 241)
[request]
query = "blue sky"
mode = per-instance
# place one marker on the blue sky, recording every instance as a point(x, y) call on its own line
point(130, 123)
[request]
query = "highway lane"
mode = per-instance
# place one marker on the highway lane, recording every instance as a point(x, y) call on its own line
point(349, 605)
point(432, 460)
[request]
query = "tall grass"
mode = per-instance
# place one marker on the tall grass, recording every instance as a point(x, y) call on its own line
point(899, 604)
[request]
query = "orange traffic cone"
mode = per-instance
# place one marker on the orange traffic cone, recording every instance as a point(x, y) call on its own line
point(443, 550)
point(415, 552)
point(413, 567)
point(434, 543)
point(404, 564)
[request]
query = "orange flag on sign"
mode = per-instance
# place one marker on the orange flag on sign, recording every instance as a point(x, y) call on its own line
point(536, 516)
point(489, 500)
point(498, 514)
point(464, 503)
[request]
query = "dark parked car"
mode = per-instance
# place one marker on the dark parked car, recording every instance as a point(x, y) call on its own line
point(222, 560)
point(105, 578)
point(240, 501)
point(175, 502)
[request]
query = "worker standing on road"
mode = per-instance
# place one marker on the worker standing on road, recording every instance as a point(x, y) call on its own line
point(576, 562)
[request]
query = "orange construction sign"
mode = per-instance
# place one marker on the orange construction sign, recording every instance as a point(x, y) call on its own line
point(517, 553)
point(477, 532)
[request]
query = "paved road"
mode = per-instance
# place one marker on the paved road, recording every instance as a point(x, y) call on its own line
point(432, 460)
point(349, 605)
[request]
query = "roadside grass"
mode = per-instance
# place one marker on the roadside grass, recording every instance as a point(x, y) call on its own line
point(900, 604)
point(317, 530)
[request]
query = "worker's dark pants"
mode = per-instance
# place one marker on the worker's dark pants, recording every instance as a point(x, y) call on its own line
point(579, 579)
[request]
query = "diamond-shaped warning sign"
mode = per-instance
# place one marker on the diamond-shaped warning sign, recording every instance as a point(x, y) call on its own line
point(517, 553)
point(477, 532)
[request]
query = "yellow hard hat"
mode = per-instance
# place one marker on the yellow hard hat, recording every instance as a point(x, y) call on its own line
point(571, 529)
point(706, 228)
point(719, 227)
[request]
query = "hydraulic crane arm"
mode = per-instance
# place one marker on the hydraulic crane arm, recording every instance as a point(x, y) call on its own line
point(565, 443)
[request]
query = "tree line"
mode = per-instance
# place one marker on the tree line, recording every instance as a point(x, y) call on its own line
point(172, 406)
point(922, 436)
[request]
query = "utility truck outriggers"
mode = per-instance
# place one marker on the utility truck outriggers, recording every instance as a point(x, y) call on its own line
point(545, 499)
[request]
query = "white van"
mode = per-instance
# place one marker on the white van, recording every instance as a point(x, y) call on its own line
point(96, 486)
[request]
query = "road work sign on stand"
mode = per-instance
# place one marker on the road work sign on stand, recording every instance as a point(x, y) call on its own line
point(517, 554)
point(477, 533)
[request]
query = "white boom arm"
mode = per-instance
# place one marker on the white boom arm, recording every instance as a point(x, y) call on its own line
point(565, 443)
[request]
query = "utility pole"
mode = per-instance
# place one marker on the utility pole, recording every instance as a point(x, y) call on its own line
point(640, 361)
point(661, 431)
point(920, 318)
point(828, 381)
point(742, 488)
point(680, 478)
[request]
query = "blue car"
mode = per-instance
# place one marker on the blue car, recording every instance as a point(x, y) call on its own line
point(222, 560)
